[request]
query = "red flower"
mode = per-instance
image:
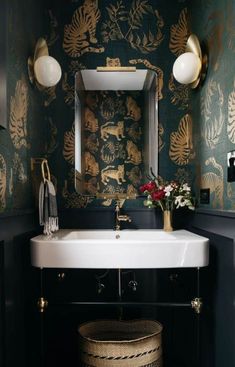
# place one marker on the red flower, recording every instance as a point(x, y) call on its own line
point(150, 186)
point(158, 195)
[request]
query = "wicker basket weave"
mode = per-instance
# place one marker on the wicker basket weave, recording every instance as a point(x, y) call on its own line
point(111, 343)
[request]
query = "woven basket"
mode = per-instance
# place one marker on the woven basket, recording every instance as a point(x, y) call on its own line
point(110, 343)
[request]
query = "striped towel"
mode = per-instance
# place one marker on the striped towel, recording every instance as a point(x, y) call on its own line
point(48, 214)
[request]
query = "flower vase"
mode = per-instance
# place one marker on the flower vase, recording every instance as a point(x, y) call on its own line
point(167, 221)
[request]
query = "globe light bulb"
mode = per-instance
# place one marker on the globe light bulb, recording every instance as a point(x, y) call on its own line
point(186, 68)
point(47, 71)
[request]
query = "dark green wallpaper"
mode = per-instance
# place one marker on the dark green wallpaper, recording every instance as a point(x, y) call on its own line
point(213, 105)
point(147, 34)
point(113, 141)
point(25, 135)
point(196, 129)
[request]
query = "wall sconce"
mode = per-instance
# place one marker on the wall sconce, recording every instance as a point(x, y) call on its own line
point(190, 67)
point(42, 68)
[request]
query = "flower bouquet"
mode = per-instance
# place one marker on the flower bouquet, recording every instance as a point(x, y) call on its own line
point(168, 195)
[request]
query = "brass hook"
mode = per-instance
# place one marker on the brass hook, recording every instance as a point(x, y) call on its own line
point(45, 173)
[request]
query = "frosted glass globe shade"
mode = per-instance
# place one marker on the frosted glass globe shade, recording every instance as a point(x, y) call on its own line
point(47, 71)
point(186, 68)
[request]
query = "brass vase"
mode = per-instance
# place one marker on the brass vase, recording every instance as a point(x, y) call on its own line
point(167, 221)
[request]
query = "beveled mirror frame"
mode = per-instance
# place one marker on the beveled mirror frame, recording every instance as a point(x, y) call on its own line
point(146, 84)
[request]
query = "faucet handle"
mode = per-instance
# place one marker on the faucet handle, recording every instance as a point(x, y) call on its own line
point(133, 285)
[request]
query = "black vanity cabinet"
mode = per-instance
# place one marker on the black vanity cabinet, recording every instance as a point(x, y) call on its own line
point(74, 296)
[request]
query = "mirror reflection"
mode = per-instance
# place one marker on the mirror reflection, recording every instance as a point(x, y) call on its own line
point(116, 131)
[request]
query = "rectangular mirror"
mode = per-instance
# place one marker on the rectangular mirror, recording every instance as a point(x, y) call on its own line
point(116, 130)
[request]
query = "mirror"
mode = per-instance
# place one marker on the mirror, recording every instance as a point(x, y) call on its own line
point(116, 131)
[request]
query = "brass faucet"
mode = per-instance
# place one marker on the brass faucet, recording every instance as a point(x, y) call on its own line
point(120, 217)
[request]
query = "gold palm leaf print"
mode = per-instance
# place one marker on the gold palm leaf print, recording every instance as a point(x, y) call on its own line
point(179, 34)
point(18, 115)
point(181, 145)
point(213, 119)
point(231, 116)
point(127, 24)
point(69, 145)
point(3, 183)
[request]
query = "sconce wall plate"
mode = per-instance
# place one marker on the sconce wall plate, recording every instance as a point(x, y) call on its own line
point(193, 46)
point(43, 69)
point(41, 49)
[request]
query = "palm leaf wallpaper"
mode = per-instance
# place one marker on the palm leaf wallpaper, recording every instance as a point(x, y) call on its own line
point(196, 129)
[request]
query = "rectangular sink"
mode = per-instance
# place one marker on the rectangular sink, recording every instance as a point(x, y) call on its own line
point(130, 249)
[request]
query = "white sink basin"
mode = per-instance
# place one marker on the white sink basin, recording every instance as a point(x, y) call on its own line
point(131, 249)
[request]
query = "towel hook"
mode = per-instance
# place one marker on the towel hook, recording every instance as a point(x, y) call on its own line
point(45, 171)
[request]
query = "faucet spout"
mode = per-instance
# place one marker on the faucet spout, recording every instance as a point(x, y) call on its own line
point(120, 217)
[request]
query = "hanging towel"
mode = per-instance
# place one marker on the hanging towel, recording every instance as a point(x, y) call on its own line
point(48, 214)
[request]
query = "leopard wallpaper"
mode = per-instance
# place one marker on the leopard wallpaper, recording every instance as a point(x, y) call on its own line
point(144, 34)
point(196, 128)
point(26, 132)
point(114, 141)
point(213, 105)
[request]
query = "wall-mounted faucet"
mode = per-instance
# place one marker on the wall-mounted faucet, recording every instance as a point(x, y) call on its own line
point(120, 217)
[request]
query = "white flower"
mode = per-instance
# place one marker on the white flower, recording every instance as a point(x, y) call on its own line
point(186, 187)
point(168, 190)
point(179, 201)
point(189, 204)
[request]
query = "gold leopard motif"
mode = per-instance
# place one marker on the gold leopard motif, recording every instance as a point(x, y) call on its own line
point(80, 35)
point(133, 110)
point(91, 166)
point(91, 122)
point(110, 172)
point(19, 115)
point(133, 154)
point(113, 62)
point(110, 129)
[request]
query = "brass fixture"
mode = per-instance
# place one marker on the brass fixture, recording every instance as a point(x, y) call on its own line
point(197, 305)
point(191, 66)
point(116, 68)
point(40, 172)
point(115, 196)
point(43, 69)
point(44, 167)
point(42, 304)
point(120, 217)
